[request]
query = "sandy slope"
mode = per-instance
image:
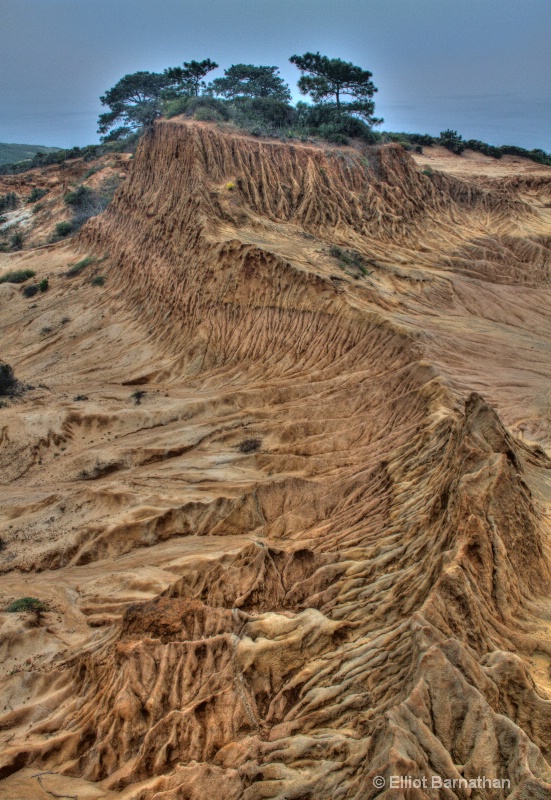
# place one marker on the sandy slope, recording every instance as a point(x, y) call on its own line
point(308, 554)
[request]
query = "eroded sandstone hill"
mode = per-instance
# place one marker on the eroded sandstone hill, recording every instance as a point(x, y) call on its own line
point(283, 482)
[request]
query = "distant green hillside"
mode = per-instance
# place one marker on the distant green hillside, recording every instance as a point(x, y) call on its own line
point(9, 153)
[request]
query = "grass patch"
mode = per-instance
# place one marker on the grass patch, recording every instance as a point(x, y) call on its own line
point(77, 268)
point(98, 280)
point(17, 276)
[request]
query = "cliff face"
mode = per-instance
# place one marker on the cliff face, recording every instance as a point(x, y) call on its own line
point(313, 553)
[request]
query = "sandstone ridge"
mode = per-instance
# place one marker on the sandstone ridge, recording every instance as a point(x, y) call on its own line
point(313, 547)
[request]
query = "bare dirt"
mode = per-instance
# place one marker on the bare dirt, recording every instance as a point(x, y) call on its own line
point(282, 480)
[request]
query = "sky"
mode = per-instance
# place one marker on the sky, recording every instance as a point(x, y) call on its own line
point(481, 67)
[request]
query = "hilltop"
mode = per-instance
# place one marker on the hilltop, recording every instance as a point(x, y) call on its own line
point(277, 468)
point(10, 153)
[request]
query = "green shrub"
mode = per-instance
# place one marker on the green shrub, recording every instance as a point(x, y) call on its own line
point(17, 276)
point(266, 113)
point(36, 194)
point(333, 136)
point(26, 604)
point(63, 229)
point(98, 280)
point(44, 285)
point(208, 115)
point(453, 141)
point(79, 197)
point(326, 121)
point(540, 156)
point(482, 147)
point(428, 172)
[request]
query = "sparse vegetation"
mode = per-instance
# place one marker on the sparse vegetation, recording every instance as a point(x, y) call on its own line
point(16, 241)
point(44, 285)
point(17, 276)
point(349, 258)
point(87, 203)
point(92, 171)
point(455, 140)
point(137, 396)
point(8, 202)
point(77, 268)
point(98, 280)
point(9, 385)
point(30, 290)
point(98, 470)
point(79, 398)
point(36, 195)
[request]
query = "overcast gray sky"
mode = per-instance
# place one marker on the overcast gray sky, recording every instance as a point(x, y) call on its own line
point(482, 67)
